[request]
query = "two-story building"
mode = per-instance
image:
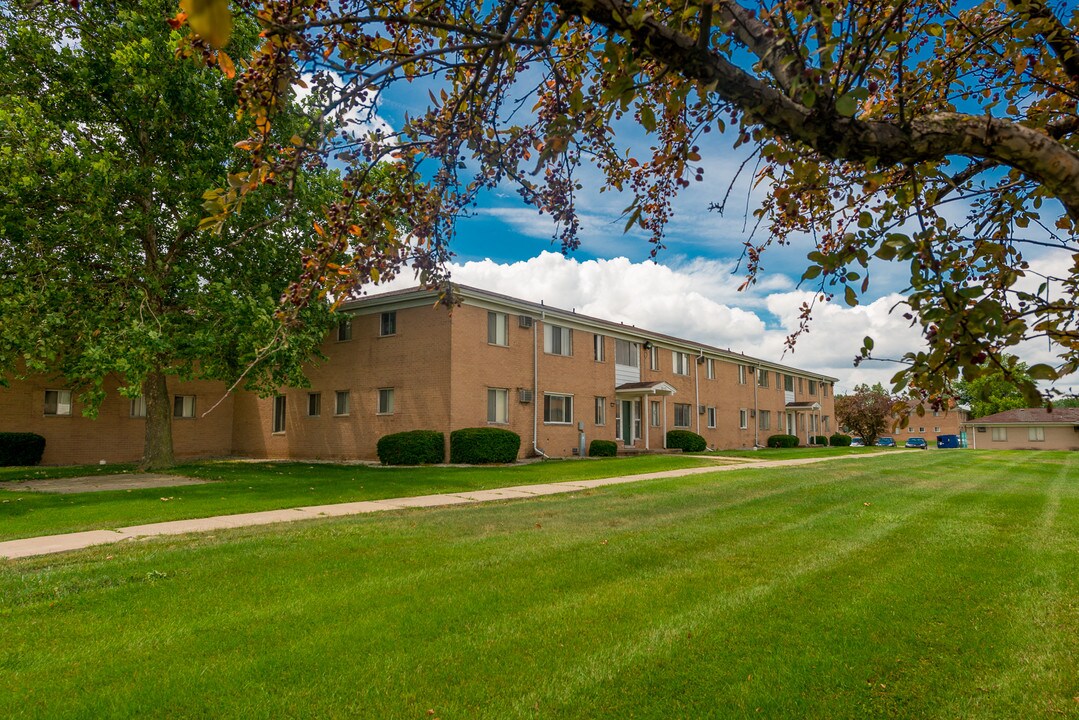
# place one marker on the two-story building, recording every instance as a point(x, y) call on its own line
point(402, 362)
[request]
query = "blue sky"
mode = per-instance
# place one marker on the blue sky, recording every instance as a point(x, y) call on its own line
point(690, 291)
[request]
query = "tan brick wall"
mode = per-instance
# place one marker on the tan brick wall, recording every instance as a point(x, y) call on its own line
point(114, 436)
point(415, 362)
point(440, 366)
point(1018, 438)
point(928, 426)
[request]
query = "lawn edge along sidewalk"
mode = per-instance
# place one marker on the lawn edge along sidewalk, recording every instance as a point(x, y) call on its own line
point(47, 544)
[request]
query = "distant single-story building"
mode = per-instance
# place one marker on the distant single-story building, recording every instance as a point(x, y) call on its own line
point(1026, 429)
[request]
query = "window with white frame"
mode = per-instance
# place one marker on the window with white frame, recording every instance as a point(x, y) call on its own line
point(812, 387)
point(799, 386)
point(788, 383)
point(813, 425)
point(1036, 434)
point(57, 402)
point(711, 417)
point(279, 414)
point(936, 428)
point(557, 340)
point(764, 419)
point(183, 406)
point(681, 362)
point(498, 329)
point(385, 401)
point(138, 407)
point(344, 330)
point(557, 409)
point(498, 405)
point(653, 358)
point(779, 380)
point(743, 419)
point(387, 324)
point(626, 353)
point(682, 414)
point(741, 374)
point(314, 404)
point(710, 368)
point(342, 400)
point(601, 410)
point(762, 378)
point(599, 348)
point(653, 408)
point(1000, 434)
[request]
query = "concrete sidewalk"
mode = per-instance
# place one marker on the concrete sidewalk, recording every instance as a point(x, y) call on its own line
point(46, 544)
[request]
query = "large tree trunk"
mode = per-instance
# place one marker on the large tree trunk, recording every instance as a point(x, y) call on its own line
point(157, 452)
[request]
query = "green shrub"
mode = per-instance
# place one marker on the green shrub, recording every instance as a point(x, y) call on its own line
point(18, 448)
point(476, 446)
point(602, 448)
point(839, 440)
point(820, 439)
point(416, 447)
point(782, 441)
point(686, 441)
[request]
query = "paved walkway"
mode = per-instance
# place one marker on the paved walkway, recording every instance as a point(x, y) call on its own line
point(46, 544)
point(101, 483)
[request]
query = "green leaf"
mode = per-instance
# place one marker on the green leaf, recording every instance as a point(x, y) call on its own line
point(850, 296)
point(847, 105)
point(867, 342)
point(1041, 371)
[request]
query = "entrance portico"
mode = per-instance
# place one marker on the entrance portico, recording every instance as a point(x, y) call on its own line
point(631, 406)
point(803, 420)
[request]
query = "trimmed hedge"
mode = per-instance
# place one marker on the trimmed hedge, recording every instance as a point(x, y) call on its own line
point(477, 446)
point(686, 441)
point(415, 447)
point(20, 448)
point(782, 441)
point(602, 448)
point(839, 440)
point(820, 439)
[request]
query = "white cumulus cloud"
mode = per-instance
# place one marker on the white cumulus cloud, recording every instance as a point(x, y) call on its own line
point(698, 300)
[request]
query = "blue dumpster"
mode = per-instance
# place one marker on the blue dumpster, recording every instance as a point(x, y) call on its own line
point(947, 441)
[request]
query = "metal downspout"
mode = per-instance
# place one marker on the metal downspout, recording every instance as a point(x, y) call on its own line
point(756, 409)
point(697, 388)
point(535, 390)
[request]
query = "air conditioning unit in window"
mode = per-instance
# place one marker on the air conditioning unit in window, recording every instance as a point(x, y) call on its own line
point(524, 321)
point(524, 395)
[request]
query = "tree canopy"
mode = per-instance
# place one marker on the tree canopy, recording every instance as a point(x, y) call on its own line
point(867, 412)
point(937, 135)
point(109, 144)
point(995, 391)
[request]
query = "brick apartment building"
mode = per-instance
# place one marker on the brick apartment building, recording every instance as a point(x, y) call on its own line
point(400, 363)
point(931, 424)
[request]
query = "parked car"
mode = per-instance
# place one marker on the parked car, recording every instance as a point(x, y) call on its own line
point(885, 442)
point(917, 443)
point(857, 442)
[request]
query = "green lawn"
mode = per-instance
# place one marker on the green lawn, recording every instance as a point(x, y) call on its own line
point(241, 487)
point(792, 453)
point(913, 585)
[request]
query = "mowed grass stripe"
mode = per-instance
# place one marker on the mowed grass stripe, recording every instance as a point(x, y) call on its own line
point(714, 596)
